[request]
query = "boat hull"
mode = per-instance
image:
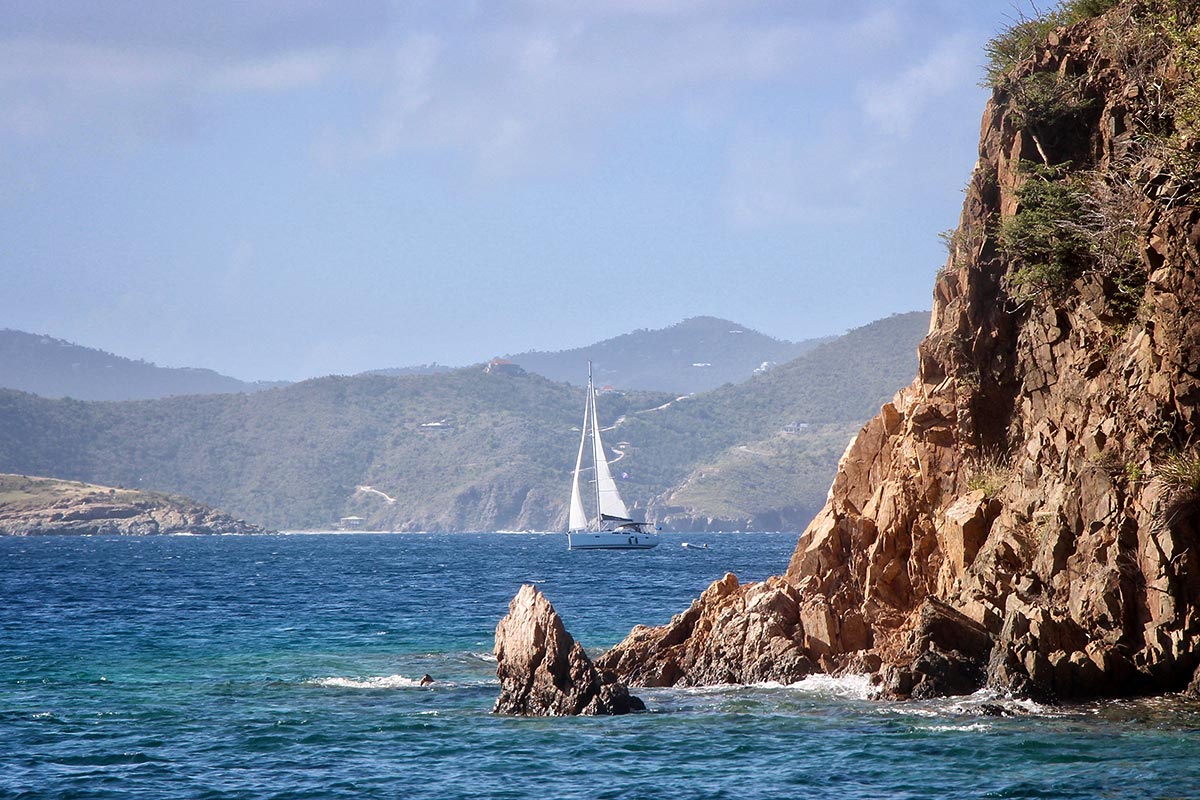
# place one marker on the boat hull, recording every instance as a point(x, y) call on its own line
point(611, 540)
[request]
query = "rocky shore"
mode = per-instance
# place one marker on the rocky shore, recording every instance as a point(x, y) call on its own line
point(1026, 514)
point(31, 506)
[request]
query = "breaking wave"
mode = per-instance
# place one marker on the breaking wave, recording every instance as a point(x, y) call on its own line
point(378, 682)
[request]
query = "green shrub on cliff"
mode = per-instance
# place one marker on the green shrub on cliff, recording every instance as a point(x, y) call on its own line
point(1071, 224)
point(1047, 251)
point(1027, 33)
point(1180, 472)
point(988, 472)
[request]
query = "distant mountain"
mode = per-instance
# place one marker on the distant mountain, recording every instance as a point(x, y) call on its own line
point(52, 367)
point(695, 355)
point(473, 450)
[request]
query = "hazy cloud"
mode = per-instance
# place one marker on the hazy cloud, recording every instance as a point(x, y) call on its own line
point(894, 103)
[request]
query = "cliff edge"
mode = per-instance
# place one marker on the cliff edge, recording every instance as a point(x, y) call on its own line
point(1026, 514)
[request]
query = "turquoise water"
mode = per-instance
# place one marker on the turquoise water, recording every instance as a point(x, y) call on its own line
point(286, 667)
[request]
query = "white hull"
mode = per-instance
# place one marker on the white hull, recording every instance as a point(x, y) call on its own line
point(610, 540)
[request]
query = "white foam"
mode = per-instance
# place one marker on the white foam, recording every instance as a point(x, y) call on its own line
point(379, 682)
point(974, 726)
point(854, 687)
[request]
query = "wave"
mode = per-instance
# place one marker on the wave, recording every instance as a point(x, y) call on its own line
point(377, 682)
point(845, 687)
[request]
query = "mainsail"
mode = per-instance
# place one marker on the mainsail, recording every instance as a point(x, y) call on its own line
point(606, 488)
point(578, 521)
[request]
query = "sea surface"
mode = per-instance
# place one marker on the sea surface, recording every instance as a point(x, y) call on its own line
point(287, 666)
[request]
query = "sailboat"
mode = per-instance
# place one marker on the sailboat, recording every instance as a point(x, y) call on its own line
point(612, 528)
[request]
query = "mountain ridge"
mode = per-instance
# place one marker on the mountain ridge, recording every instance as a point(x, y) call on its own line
point(50, 367)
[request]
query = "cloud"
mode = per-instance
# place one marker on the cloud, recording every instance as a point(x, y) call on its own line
point(500, 90)
point(275, 73)
point(779, 180)
point(895, 103)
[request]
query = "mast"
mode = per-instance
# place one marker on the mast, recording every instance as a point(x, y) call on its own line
point(596, 455)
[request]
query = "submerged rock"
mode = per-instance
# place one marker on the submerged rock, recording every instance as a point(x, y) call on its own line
point(544, 672)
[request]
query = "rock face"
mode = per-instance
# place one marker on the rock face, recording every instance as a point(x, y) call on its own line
point(1025, 515)
point(544, 672)
point(45, 506)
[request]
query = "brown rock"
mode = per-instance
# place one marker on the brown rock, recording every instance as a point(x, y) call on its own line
point(731, 634)
point(544, 672)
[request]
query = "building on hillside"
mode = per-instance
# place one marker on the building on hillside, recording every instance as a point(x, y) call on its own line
point(351, 523)
point(502, 366)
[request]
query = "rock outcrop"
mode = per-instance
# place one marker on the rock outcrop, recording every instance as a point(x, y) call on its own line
point(45, 506)
point(1025, 515)
point(544, 672)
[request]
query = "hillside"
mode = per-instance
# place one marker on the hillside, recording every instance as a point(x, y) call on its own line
point(761, 452)
point(32, 506)
point(463, 450)
point(52, 367)
point(1025, 515)
point(695, 355)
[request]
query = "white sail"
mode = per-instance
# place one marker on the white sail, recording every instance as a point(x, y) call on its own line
point(606, 488)
point(612, 528)
point(578, 519)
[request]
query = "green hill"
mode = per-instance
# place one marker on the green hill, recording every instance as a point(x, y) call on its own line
point(761, 454)
point(469, 450)
point(695, 355)
point(54, 368)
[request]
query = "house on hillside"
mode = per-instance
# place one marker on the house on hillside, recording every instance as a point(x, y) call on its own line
point(502, 366)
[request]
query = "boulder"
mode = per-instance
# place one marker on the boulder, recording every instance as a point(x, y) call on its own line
point(544, 672)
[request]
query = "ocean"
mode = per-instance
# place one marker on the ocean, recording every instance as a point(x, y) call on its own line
point(288, 666)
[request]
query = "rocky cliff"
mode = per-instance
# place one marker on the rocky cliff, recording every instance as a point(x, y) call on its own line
point(1025, 514)
point(31, 506)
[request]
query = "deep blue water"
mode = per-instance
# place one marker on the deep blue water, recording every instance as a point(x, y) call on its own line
point(285, 667)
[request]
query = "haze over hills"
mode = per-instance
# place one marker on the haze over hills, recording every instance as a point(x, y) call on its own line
point(465, 450)
point(691, 356)
point(695, 355)
point(52, 367)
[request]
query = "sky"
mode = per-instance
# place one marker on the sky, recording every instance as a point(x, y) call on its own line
point(284, 189)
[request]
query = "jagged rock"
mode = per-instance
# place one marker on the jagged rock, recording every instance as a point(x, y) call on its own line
point(731, 634)
point(947, 655)
point(544, 672)
point(1004, 520)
